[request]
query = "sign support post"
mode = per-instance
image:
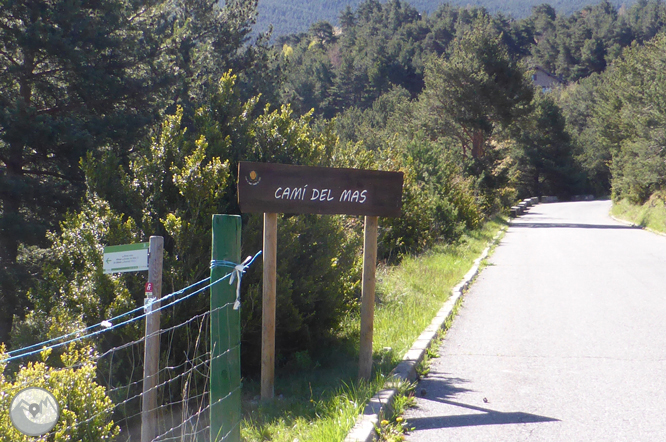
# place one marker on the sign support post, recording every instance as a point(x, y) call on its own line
point(268, 307)
point(281, 188)
point(368, 296)
point(225, 374)
point(151, 350)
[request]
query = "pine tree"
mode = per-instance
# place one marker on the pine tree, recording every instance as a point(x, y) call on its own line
point(476, 91)
point(543, 152)
point(75, 76)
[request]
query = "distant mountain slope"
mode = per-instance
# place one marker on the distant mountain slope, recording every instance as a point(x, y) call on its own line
point(293, 16)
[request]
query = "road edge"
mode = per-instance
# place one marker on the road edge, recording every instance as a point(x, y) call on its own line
point(379, 404)
point(629, 223)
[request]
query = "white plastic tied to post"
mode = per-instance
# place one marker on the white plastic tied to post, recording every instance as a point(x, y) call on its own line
point(236, 275)
point(148, 304)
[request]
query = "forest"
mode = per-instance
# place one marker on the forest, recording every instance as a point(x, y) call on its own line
point(121, 119)
point(297, 15)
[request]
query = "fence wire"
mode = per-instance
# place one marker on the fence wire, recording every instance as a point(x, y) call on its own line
point(183, 386)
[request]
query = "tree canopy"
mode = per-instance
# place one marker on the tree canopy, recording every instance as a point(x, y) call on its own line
point(91, 77)
point(74, 77)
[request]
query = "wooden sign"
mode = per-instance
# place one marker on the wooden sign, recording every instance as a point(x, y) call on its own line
point(282, 188)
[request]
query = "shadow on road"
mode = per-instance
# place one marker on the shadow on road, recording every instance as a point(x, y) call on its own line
point(572, 226)
point(442, 388)
point(486, 417)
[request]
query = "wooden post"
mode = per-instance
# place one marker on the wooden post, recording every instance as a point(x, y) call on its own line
point(225, 375)
point(368, 296)
point(285, 188)
point(268, 307)
point(151, 349)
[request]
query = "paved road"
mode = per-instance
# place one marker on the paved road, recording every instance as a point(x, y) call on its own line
point(561, 338)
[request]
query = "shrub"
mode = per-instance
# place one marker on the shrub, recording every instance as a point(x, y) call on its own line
point(85, 409)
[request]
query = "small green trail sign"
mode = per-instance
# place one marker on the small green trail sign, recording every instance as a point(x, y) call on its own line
point(126, 258)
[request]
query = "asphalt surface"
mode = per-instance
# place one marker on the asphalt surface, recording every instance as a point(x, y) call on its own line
point(561, 338)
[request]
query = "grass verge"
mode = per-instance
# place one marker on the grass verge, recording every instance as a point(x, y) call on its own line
point(651, 215)
point(393, 428)
point(317, 396)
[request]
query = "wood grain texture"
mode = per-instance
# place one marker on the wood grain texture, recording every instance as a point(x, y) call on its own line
point(268, 306)
point(368, 296)
point(151, 352)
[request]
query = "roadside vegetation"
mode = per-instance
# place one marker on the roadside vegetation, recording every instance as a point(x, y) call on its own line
point(652, 214)
point(320, 397)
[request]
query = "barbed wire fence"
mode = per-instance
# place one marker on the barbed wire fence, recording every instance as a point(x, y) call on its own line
point(183, 385)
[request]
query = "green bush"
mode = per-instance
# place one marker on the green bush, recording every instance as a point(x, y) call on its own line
point(437, 201)
point(639, 170)
point(172, 186)
point(85, 409)
point(318, 275)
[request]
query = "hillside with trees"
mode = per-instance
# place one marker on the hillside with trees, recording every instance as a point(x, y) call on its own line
point(290, 17)
point(386, 48)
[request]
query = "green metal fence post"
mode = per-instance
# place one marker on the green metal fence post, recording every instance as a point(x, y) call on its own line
point(225, 378)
